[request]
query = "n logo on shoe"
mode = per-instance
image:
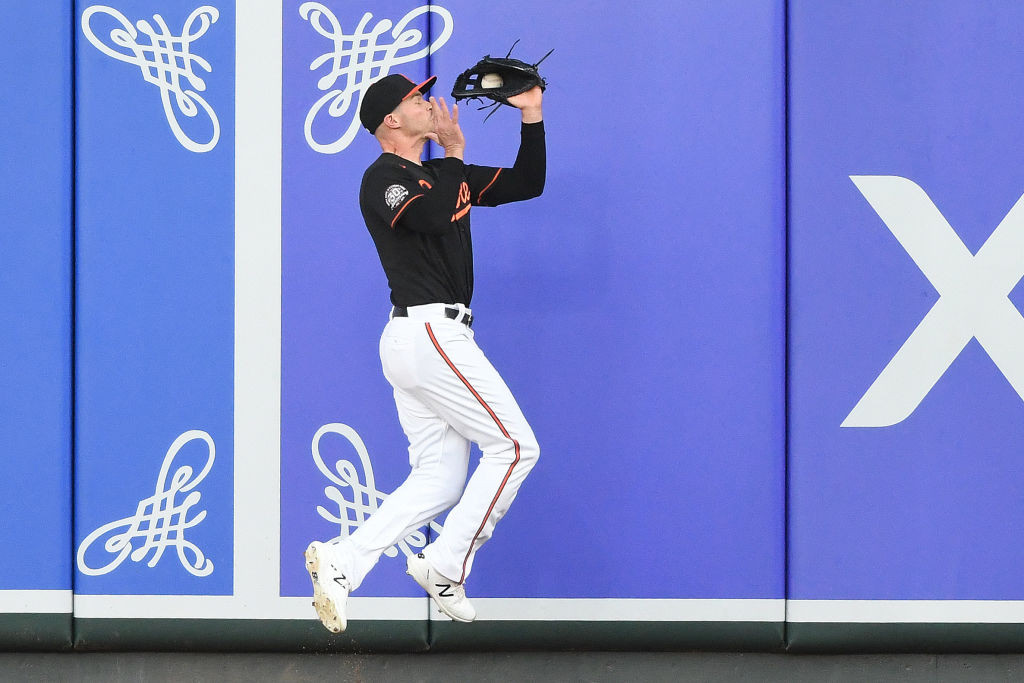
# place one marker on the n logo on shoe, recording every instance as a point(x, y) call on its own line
point(446, 590)
point(973, 300)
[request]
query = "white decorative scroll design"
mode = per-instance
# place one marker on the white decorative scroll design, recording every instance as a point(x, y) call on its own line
point(166, 61)
point(365, 496)
point(159, 521)
point(359, 59)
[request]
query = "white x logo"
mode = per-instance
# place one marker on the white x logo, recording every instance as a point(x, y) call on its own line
point(973, 300)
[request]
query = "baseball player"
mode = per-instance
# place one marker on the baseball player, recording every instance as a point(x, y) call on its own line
point(447, 393)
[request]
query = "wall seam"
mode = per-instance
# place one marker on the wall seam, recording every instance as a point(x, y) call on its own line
point(786, 315)
point(429, 72)
point(73, 291)
point(430, 153)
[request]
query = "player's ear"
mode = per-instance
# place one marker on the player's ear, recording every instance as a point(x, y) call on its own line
point(391, 122)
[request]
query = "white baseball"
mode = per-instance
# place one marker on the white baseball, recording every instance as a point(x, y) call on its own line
point(491, 81)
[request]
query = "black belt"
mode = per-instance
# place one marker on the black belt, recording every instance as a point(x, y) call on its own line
point(449, 312)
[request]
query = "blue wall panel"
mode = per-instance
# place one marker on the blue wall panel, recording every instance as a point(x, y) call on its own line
point(334, 295)
point(636, 308)
point(35, 301)
point(155, 245)
point(35, 341)
point(918, 497)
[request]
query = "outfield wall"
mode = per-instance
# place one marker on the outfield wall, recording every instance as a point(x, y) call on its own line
point(906, 365)
point(688, 316)
point(35, 346)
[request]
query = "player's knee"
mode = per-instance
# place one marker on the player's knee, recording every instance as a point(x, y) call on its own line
point(519, 448)
point(529, 450)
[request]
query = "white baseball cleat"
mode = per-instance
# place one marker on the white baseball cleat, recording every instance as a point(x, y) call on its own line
point(331, 586)
point(449, 596)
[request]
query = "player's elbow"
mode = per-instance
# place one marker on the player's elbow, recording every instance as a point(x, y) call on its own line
point(534, 189)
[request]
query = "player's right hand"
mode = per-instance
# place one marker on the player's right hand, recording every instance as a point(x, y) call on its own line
point(447, 132)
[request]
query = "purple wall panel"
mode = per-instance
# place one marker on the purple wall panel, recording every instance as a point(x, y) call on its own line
point(925, 505)
point(154, 299)
point(334, 294)
point(635, 309)
point(35, 302)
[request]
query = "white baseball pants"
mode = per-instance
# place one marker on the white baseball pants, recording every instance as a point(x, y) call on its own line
point(448, 394)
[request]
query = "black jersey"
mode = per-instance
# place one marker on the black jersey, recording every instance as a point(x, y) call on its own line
point(418, 216)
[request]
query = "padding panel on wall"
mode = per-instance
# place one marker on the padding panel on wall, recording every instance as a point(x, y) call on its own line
point(155, 290)
point(906, 337)
point(35, 345)
point(341, 445)
point(636, 311)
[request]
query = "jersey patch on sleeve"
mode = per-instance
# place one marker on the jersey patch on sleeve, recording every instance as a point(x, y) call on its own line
point(394, 195)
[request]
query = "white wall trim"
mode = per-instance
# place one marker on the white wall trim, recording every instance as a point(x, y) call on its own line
point(257, 392)
point(623, 609)
point(35, 602)
point(526, 609)
point(234, 607)
point(375, 609)
point(907, 611)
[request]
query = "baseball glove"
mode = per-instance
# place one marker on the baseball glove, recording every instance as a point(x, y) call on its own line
point(497, 79)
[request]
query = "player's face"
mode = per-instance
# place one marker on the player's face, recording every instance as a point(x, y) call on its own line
point(414, 113)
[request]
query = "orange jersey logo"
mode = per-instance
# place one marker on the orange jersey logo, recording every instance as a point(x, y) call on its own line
point(462, 204)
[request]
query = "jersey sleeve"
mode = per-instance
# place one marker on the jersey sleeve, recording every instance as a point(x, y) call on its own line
point(401, 201)
point(481, 180)
point(491, 186)
point(388, 194)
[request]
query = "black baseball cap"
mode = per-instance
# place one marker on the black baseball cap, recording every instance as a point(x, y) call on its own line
point(381, 98)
